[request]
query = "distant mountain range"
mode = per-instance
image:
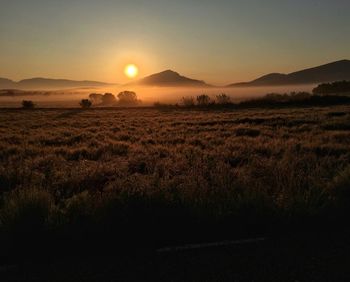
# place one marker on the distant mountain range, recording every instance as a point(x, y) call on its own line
point(48, 83)
point(335, 71)
point(170, 78)
point(165, 78)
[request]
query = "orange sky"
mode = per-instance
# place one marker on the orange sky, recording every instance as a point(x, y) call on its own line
point(220, 42)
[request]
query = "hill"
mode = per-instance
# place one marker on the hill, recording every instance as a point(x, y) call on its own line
point(6, 83)
point(339, 70)
point(48, 83)
point(170, 78)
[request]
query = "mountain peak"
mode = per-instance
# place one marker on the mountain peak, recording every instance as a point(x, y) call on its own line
point(342, 61)
point(6, 83)
point(169, 78)
point(170, 71)
point(338, 70)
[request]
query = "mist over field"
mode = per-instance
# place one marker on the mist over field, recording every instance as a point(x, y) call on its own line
point(148, 95)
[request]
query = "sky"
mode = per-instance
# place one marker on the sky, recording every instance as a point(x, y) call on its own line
point(220, 41)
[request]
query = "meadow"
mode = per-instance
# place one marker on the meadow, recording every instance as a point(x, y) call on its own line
point(154, 177)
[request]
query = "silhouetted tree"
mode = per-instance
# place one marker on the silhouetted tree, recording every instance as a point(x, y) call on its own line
point(203, 100)
point(108, 99)
point(188, 101)
point(338, 87)
point(128, 98)
point(95, 98)
point(26, 104)
point(223, 99)
point(85, 103)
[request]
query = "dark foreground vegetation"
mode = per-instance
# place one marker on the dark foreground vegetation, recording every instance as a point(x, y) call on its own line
point(338, 87)
point(115, 181)
point(272, 100)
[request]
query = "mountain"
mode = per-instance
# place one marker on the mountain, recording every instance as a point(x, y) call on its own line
point(48, 83)
point(335, 71)
point(6, 83)
point(170, 78)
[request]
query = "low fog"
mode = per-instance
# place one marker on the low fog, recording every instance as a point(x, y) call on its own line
point(148, 95)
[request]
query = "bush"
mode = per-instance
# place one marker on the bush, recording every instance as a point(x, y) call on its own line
point(223, 99)
point(188, 101)
point(203, 100)
point(299, 96)
point(26, 104)
point(85, 103)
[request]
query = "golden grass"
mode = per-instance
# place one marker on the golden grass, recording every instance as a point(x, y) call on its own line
point(151, 167)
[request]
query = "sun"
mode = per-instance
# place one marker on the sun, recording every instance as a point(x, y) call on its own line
point(131, 71)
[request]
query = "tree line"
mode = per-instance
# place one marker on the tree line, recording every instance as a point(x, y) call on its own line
point(125, 98)
point(129, 98)
point(338, 87)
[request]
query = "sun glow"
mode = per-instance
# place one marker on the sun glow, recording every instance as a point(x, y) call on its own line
point(131, 71)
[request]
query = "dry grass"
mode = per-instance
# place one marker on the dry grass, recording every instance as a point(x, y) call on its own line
point(136, 170)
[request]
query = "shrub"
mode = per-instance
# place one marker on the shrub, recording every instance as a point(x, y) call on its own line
point(203, 100)
point(188, 101)
point(223, 99)
point(85, 103)
point(26, 104)
point(299, 96)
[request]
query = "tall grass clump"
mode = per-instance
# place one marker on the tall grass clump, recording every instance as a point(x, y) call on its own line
point(341, 188)
point(26, 211)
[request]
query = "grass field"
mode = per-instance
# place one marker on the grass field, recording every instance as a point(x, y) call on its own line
point(157, 177)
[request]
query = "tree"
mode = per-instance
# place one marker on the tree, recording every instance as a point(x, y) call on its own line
point(95, 98)
point(223, 99)
point(85, 103)
point(203, 100)
point(337, 87)
point(26, 104)
point(188, 101)
point(128, 98)
point(108, 99)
